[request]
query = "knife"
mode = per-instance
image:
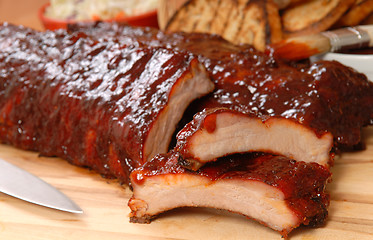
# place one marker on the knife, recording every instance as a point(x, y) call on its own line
point(21, 184)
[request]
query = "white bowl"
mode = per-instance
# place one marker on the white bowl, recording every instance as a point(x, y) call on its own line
point(360, 62)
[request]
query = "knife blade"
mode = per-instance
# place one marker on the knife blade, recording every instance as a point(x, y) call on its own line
point(21, 184)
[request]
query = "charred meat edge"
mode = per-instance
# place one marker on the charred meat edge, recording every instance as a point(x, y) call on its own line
point(219, 132)
point(279, 192)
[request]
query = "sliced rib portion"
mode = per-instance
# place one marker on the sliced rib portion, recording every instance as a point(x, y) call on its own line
point(100, 104)
point(193, 83)
point(276, 191)
point(325, 96)
point(219, 132)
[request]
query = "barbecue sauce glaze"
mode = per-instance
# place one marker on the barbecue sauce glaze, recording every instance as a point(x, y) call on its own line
point(88, 101)
point(301, 183)
point(326, 96)
point(78, 89)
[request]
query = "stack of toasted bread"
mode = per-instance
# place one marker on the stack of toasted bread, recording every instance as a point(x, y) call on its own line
point(262, 22)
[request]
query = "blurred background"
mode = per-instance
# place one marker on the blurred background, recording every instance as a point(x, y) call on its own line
point(58, 13)
point(23, 12)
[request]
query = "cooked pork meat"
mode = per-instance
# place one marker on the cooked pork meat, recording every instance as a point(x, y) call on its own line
point(325, 96)
point(276, 191)
point(104, 105)
point(219, 132)
point(109, 98)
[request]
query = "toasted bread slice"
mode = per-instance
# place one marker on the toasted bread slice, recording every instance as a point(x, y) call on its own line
point(261, 25)
point(358, 12)
point(194, 16)
point(282, 3)
point(368, 20)
point(166, 9)
point(255, 22)
point(234, 21)
point(286, 3)
point(313, 16)
point(220, 21)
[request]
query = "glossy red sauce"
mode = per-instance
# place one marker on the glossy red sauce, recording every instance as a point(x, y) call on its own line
point(210, 123)
point(104, 86)
point(326, 96)
point(91, 102)
point(205, 119)
point(301, 183)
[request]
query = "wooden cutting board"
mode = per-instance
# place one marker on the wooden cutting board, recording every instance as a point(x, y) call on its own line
point(106, 212)
point(105, 202)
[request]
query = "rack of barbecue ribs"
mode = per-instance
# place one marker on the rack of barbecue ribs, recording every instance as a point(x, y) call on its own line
point(110, 97)
point(325, 96)
point(107, 106)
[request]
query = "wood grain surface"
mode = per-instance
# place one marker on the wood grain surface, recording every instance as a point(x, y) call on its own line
point(105, 216)
point(104, 201)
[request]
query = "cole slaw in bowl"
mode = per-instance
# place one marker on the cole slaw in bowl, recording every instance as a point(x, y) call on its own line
point(82, 10)
point(59, 13)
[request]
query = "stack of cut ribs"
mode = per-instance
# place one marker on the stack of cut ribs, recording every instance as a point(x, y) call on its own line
point(256, 135)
